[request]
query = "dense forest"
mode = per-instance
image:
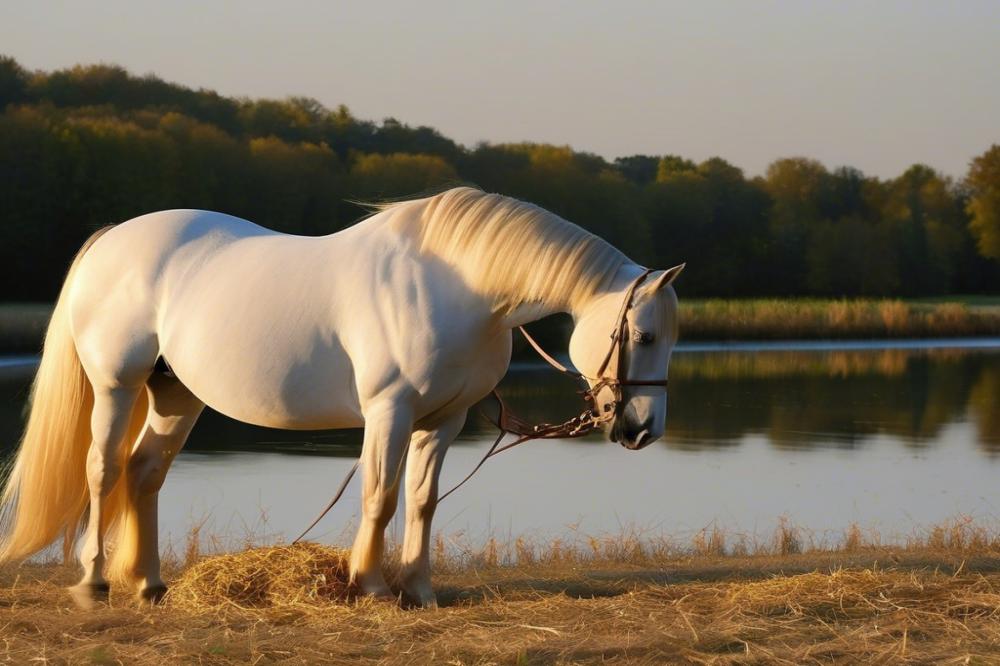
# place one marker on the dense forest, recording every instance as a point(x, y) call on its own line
point(92, 145)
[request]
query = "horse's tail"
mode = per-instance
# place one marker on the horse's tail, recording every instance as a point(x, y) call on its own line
point(45, 493)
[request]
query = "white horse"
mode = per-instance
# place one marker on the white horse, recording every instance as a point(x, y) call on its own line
point(398, 324)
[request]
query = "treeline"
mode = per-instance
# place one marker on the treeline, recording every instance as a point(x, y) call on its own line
point(92, 145)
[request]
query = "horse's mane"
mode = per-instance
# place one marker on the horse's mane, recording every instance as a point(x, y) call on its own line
point(513, 251)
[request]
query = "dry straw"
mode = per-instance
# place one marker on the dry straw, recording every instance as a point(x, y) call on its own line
point(290, 579)
point(783, 598)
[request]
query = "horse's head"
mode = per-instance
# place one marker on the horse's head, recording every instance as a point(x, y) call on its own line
point(631, 371)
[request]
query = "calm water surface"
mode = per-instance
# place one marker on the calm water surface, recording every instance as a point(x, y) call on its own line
point(891, 437)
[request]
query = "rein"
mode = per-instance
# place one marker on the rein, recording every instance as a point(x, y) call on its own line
point(586, 422)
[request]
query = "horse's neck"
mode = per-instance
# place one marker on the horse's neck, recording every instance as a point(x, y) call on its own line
point(529, 312)
point(508, 297)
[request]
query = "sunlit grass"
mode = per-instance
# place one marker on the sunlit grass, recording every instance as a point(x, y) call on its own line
point(785, 596)
point(756, 319)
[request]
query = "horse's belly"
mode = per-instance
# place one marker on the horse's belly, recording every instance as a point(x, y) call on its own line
point(296, 403)
point(297, 387)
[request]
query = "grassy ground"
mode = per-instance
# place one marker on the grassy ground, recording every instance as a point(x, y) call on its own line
point(935, 600)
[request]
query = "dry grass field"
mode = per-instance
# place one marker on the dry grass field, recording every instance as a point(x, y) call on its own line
point(764, 319)
point(935, 599)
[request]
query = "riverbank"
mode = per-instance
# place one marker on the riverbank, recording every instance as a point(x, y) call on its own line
point(934, 600)
point(814, 319)
point(22, 325)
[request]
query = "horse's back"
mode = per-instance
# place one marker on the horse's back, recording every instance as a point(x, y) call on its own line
point(280, 330)
point(236, 310)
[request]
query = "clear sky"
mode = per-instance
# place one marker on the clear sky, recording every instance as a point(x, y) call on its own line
point(878, 84)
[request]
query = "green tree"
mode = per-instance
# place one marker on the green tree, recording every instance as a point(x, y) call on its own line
point(295, 187)
point(983, 182)
point(13, 82)
point(211, 170)
point(851, 257)
point(293, 119)
point(377, 176)
point(34, 167)
point(927, 220)
point(639, 169)
point(91, 145)
point(800, 190)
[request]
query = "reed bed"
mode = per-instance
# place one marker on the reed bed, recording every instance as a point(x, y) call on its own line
point(22, 325)
point(769, 319)
point(774, 363)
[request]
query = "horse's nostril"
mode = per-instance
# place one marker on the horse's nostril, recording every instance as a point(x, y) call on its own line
point(644, 438)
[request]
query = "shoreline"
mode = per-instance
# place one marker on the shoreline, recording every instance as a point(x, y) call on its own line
point(15, 364)
point(706, 325)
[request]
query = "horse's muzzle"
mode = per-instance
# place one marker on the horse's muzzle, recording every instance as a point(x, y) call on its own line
point(631, 435)
point(641, 441)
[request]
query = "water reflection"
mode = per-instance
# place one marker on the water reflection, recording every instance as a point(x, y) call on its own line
point(833, 398)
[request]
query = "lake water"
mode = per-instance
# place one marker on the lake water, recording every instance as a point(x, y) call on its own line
point(894, 437)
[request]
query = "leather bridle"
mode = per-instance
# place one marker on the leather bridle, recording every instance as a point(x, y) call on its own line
point(594, 417)
point(616, 350)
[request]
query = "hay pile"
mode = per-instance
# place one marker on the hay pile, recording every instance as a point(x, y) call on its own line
point(294, 578)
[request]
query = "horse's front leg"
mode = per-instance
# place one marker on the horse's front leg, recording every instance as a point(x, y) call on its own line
point(387, 433)
point(423, 469)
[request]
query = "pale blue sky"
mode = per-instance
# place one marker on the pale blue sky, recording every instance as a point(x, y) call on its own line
point(878, 84)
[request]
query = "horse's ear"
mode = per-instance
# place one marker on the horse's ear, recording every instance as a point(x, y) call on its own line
point(661, 279)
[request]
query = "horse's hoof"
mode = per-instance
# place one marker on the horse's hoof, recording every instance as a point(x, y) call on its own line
point(88, 596)
point(372, 588)
point(379, 594)
point(425, 599)
point(426, 604)
point(151, 595)
point(417, 591)
point(386, 595)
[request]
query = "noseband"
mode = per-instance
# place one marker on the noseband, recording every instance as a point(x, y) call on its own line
point(591, 419)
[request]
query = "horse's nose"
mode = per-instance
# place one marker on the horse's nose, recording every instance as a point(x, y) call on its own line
point(637, 436)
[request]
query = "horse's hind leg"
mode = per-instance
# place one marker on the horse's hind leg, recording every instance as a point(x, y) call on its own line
point(108, 423)
point(173, 411)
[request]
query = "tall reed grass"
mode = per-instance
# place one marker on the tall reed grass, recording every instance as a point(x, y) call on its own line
point(764, 319)
point(22, 325)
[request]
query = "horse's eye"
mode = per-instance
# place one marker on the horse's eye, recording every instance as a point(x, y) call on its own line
point(642, 337)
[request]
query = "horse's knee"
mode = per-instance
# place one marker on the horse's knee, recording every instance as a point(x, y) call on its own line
point(380, 506)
